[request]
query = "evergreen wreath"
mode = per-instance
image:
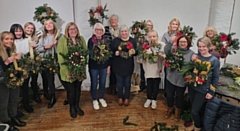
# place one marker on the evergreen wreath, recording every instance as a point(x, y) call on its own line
point(43, 13)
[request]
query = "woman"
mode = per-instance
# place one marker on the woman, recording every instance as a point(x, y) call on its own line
point(123, 67)
point(211, 32)
point(45, 45)
point(71, 38)
point(153, 72)
point(175, 83)
point(97, 70)
point(29, 30)
point(201, 93)
point(169, 38)
point(22, 47)
point(112, 32)
point(8, 96)
point(149, 25)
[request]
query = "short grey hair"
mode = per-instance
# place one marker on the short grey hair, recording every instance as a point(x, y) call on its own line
point(98, 25)
point(123, 27)
point(113, 15)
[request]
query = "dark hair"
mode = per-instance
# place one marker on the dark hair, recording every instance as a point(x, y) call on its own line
point(189, 42)
point(14, 27)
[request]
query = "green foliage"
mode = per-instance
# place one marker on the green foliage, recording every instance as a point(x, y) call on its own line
point(101, 52)
point(49, 63)
point(128, 123)
point(174, 60)
point(97, 14)
point(139, 30)
point(188, 31)
point(43, 13)
point(163, 127)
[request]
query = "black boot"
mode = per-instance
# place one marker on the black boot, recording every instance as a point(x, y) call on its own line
point(25, 98)
point(71, 100)
point(36, 96)
point(17, 122)
point(142, 87)
point(65, 102)
point(28, 108)
point(11, 126)
point(109, 91)
point(114, 91)
point(73, 113)
point(19, 114)
point(52, 100)
point(46, 94)
point(78, 109)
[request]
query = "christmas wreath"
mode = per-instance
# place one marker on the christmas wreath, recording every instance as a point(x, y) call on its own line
point(188, 31)
point(15, 76)
point(76, 61)
point(174, 60)
point(139, 30)
point(43, 13)
point(32, 66)
point(150, 51)
point(225, 44)
point(49, 63)
point(101, 52)
point(96, 14)
point(126, 49)
point(196, 72)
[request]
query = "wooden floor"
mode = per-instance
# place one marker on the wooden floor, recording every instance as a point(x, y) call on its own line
point(105, 119)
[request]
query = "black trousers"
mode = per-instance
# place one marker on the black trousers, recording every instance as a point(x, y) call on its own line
point(113, 79)
point(48, 81)
point(198, 102)
point(153, 88)
point(8, 102)
point(175, 93)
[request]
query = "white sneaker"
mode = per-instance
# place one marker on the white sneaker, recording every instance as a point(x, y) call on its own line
point(103, 102)
point(95, 105)
point(154, 104)
point(147, 103)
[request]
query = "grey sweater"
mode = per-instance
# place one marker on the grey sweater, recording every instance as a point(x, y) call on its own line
point(166, 39)
point(174, 76)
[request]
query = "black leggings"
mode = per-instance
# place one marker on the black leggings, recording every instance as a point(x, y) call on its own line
point(153, 88)
point(175, 93)
point(198, 102)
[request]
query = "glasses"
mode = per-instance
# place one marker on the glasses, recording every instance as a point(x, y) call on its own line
point(72, 29)
point(98, 29)
point(184, 42)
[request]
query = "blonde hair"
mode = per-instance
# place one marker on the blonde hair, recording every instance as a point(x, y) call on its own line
point(150, 22)
point(3, 52)
point(206, 41)
point(170, 24)
point(67, 28)
point(98, 25)
point(33, 36)
point(45, 30)
point(208, 29)
point(153, 31)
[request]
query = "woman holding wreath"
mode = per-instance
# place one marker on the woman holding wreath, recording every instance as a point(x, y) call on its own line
point(47, 46)
point(8, 96)
point(98, 68)
point(201, 93)
point(124, 48)
point(175, 83)
point(72, 81)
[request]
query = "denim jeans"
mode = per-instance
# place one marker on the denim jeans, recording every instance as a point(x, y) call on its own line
point(123, 81)
point(94, 75)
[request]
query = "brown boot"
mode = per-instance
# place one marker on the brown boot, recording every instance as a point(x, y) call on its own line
point(177, 114)
point(190, 128)
point(169, 112)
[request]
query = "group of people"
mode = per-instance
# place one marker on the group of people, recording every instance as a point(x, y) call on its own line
point(120, 68)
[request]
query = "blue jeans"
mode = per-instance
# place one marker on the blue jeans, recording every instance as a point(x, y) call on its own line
point(123, 81)
point(94, 75)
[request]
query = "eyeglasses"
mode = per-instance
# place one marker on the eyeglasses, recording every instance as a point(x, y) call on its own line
point(72, 29)
point(98, 29)
point(183, 42)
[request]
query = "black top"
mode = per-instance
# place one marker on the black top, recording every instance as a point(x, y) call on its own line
point(92, 64)
point(122, 66)
point(5, 67)
point(107, 33)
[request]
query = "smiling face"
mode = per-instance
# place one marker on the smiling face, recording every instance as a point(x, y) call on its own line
point(183, 43)
point(49, 26)
point(202, 48)
point(152, 36)
point(72, 31)
point(149, 25)
point(124, 34)
point(99, 31)
point(174, 25)
point(210, 34)
point(29, 30)
point(18, 33)
point(114, 21)
point(8, 40)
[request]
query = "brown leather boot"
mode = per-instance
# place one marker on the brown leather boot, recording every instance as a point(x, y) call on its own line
point(177, 114)
point(169, 112)
point(190, 128)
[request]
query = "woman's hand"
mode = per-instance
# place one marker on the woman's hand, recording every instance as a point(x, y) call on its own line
point(33, 44)
point(54, 42)
point(108, 70)
point(194, 57)
point(18, 56)
point(117, 53)
point(48, 46)
point(208, 96)
point(172, 40)
point(9, 60)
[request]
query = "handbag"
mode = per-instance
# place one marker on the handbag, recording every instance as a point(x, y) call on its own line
point(2, 75)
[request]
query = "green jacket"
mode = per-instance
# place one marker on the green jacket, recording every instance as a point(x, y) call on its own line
point(62, 48)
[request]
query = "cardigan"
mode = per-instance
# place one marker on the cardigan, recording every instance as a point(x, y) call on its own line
point(62, 48)
point(122, 66)
point(166, 39)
